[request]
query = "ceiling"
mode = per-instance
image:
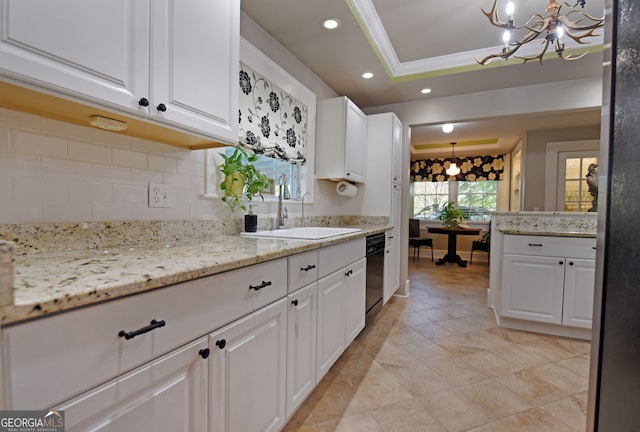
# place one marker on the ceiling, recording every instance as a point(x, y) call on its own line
point(412, 44)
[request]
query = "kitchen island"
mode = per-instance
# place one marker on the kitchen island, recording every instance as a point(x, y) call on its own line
point(542, 271)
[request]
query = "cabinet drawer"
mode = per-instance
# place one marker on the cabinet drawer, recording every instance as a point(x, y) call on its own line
point(332, 258)
point(303, 269)
point(49, 360)
point(575, 247)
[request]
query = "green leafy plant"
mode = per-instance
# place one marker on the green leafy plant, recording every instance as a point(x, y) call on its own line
point(241, 177)
point(450, 215)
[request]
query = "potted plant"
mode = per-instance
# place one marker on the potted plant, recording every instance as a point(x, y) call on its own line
point(241, 177)
point(450, 215)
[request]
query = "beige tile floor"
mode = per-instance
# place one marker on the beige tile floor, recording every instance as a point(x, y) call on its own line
point(437, 362)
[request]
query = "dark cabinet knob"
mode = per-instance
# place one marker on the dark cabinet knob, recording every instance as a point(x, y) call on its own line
point(570, 262)
point(221, 343)
point(161, 107)
point(204, 353)
point(143, 102)
point(294, 302)
point(560, 262)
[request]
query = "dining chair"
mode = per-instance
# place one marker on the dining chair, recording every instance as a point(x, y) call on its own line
point(415, 241)
point(483, 244)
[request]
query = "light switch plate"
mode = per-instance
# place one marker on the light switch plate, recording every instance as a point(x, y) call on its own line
point(161, 195)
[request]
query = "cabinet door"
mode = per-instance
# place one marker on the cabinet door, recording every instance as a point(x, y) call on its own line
point(355, 140)
point(98, 50)
point(167, 394)
point(247, 372)
point(532, 288)
point(195, 64)
point(391, 272)
point(331, 321)
point(301, 345)
point(396, 170)
point(356, 285)
point(579, 281)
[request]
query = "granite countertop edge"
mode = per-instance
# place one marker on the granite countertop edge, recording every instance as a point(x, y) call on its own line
point(549, 233)
point(57, 282)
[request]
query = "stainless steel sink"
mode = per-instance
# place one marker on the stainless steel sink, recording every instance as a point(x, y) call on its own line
point(303, 233)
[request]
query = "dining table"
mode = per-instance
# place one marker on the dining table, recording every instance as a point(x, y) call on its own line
point(452, 233)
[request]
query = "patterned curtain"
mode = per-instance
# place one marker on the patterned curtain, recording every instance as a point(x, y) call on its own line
point(272, 122)
point(471, 169)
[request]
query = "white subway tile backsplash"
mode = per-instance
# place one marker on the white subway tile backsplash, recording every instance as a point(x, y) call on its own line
point(66, 130)
point(5, 189)
point(66, 170)
point(177, 180)
point(144, 212)
point(110, 174)
point(19, 120)
point(128, 158)
point(86, 152)
point(139, 176)
point(21, 212)
point(98, 192)
point(37, 144)
point(177, 212)
point(111, 211)
point(20, 165)
point(4, 140)
point(111, 139)
point(52, 171)
point(58, 211)
point(161, 163)
point(134, 194)
point(30, 189)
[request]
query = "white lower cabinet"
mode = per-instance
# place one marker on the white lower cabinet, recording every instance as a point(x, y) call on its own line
point(301, 345)
point(247, 372)
point(579, 277)
point(341, 312)
point(168, 394)
point(556, 289)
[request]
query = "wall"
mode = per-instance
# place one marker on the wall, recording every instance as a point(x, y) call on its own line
point(534, 159)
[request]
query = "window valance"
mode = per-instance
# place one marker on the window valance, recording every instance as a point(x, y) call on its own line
point(471, 169)
point(272, 122)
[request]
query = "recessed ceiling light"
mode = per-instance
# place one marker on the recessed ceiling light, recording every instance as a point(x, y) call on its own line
point(367, 75)
point(425, 91)
point(447, 127)
point(331, 23)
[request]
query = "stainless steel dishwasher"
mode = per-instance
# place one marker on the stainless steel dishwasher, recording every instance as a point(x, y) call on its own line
point(375, 274)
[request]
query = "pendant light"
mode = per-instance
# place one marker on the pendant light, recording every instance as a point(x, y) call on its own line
point(453, 169)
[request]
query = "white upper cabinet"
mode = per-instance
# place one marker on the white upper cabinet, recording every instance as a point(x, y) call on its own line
point(92, 49)
point(172, 62)
point(195, 64)
point(341, 141)
point(396, 139)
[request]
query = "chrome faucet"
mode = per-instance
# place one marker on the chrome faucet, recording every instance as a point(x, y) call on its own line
point(308, 193)
point(283, 193)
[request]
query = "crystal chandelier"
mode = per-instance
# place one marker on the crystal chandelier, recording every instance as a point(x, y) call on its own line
point(553, 28)
point(453, 169)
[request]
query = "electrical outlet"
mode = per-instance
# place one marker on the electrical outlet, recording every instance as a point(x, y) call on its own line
point(160, 195)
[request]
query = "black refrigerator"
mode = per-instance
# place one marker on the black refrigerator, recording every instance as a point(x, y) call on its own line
point(614, 387)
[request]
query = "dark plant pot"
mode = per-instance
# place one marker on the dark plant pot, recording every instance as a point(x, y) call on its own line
point(250, 223)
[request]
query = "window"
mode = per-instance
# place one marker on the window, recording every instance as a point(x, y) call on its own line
point(273, 168)
point(575, 196)
point(476, 199)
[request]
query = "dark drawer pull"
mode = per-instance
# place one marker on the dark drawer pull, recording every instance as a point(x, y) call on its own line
point(535, 244)
point(349, 273)
point(221, 343)
point(561, 262)
point(307, 268)
point(204, 353)
point(570, 262)
point(259, 287)
point(594, 248)
point(294, 302)
point(162, 107)
point(130, 335)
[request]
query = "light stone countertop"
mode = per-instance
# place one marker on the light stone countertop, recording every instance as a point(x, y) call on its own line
point(549, 233)
point(53, 282)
